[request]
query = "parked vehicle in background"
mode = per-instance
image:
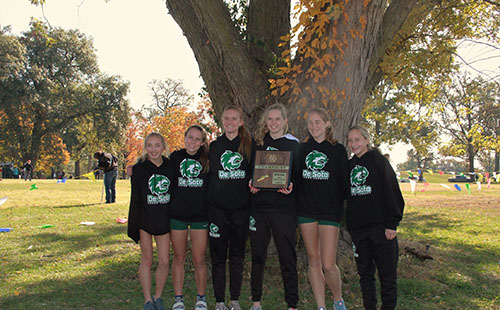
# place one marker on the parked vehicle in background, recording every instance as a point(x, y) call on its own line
point(460, 178)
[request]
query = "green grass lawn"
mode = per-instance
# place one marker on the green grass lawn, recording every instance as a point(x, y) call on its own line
point(72, 266)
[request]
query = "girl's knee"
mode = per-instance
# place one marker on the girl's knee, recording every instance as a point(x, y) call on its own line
point(314, 261)
point(163, 262)
point(146, 260)
point(199, 261)
point(330, 268)
point(179, 259)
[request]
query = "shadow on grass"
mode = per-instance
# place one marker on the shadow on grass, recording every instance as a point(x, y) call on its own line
point(79, 205)
point(459, 270)
point(78, 240)
point(113, 286)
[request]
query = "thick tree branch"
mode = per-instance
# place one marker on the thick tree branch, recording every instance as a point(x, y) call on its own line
point(394, 18)
point(492, 2)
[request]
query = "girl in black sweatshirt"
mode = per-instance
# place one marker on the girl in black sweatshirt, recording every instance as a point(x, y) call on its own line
point(148, 215)
point(188, 209)
point(375, 208)
point(228, 201)
point(273, 212)
point(320, 198)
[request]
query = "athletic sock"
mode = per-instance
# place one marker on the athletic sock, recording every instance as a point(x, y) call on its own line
point(201, 297)
point(179, 298)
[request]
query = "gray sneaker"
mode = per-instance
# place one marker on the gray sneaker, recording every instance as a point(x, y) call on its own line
point(200, 305)
point(149, 306)
point(158, 303)
point(339, 305)
point(179, 305)
point(255, 308)
point(234, 305)
point(220, 306)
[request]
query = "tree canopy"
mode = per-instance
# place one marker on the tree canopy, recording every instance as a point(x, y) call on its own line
point(51, 85)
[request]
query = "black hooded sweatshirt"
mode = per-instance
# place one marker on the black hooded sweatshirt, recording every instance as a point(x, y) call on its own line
point(228, 175)
point(271, 200)
point(374, 194)
point(323, 182)
point(149, 199)
point(189, 187)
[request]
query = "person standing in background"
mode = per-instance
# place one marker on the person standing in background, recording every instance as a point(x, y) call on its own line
point(28, 170)
point(109, 164)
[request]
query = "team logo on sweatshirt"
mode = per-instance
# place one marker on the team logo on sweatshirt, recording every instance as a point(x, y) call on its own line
point(158, 186)
point(358, 178)
point(230, 162)
point(271, 148)
point(190, 169)
point(251, 224)
point(214, 231)
point(315, 162)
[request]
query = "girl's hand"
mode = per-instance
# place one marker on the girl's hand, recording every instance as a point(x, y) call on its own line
point(253, 190)
point(286, 191)
point(129, 170)
point(390, 234)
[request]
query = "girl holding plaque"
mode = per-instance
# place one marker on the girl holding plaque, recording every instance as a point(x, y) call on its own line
point(188, 210)
point(148, 215)
point(228, 202)
point(273, 212)
point(320, 197)
point(374, 209)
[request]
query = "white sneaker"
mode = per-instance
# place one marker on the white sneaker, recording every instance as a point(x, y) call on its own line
point(200, 305)
point(178, 306)
point(234, 305)
point(220, 306)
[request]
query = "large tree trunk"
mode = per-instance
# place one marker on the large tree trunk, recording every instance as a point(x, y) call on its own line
point(471, 154)
point(497, 160)
point(77, 169)
point(236, 70)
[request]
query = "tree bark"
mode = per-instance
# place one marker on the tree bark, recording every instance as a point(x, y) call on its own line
point(268, 21)
point(471, 154)
point(77, 169)
point(497, 160)
point(348, 76)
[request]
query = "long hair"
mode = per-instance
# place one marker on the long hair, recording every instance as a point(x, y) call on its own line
point(365, 134)
point(203, 147)
point(144, 154)
point(262, 129)
point(326, 118)
point(245, 147)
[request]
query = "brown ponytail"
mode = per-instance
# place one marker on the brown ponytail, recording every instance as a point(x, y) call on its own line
point(245, 147)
